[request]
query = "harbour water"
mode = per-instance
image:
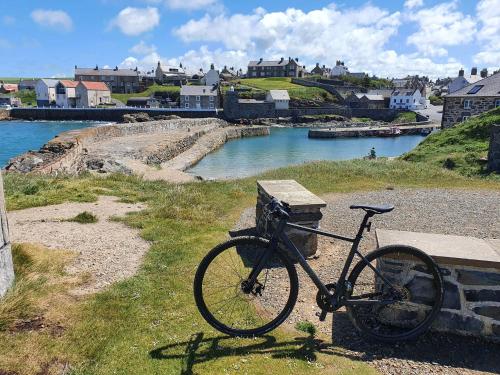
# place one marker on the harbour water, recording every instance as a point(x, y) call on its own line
point(17, 137)
point(289, 146)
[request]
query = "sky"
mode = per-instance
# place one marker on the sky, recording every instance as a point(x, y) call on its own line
point(386, 38)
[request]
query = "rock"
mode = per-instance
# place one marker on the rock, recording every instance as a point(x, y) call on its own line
point(107, 166)
point(136, 117)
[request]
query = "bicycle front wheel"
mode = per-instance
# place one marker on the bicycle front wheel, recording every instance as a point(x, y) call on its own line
point(401, 302)
point(229, 304)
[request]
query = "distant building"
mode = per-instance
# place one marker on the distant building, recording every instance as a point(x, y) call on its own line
point(66, 93)
point(143, 102)
point(339, 69)
point(386, 94)
point(10, 100)
point(362, 100)
point(27, 84)
point(410, 83)
point(8, 88)
point(211, 78)
point(229, 74)
point(471, 100)
point(199, 97)
point(462, 80)
point(92, 94)
point(170, 75)
point(280, 98)
point(279, 68)
point(45, 90)
point(407, 99)
point(322, 71)
point(121, 81)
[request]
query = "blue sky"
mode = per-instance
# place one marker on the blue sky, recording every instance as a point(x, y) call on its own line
point(393, 38)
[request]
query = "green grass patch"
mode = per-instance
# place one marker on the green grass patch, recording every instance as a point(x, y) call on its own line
point(462, 148)
point(405, 117)
point(306, 327)
point(84, 217)
point(151, 90)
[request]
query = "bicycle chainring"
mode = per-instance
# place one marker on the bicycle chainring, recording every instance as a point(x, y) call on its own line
point(323, 301)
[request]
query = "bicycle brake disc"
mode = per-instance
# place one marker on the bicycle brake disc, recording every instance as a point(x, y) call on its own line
point(323, 300)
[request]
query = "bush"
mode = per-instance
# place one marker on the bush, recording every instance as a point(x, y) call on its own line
point(84, 218)
point(306, 327)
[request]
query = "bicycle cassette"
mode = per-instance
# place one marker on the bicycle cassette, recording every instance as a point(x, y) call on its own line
point(323, 300)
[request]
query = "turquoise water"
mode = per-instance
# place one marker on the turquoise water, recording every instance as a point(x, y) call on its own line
point(17, 137)
point(288, 146)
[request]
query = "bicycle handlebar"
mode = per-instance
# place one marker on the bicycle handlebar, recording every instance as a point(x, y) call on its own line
point(279, 209)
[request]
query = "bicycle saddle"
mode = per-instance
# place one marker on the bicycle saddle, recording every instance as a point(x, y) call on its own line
point(373, 209)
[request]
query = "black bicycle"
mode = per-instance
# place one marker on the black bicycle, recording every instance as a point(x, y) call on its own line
point(248, 285)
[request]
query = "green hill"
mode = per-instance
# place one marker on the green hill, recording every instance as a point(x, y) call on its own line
point(461, 148)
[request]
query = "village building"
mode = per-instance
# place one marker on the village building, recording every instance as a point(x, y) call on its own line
point(464, 80)
point(10, 100)
point(8, 88)
point(362, 100)
point(275, 68)
point(322, 71)
point(92, 94)
point(339, 69)
point(280, 98)
point(66, 94)
point(199, 97)
point(45, 90)
point(211, 78)
point(471, 100)
point(27, 84)
point(407, 99)
point(170, 75)
point(143, 102)
point(386, 94)
point(229, 74)
point(120, 81)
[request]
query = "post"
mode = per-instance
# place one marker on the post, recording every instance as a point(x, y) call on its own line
point(494, 151)
point(6, 266)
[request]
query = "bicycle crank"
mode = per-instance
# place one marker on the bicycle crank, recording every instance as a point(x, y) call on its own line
point(324, 301)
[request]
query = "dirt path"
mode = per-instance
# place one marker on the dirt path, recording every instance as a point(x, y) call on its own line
point(108, 251)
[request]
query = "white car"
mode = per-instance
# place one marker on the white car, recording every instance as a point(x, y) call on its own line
point(5, 106)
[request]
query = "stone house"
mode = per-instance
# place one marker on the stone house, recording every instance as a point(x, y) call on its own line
point(407, 99)
point(229, 74)
point(45, 90)
point(27, 84)
point(462, 80)
point(362, 100)
point(199, 97)
point(280, 98)
point(170, 75)
point(92, 94)
point(471, 100)
point(66, 94)
point(121, 81)
point(320, 70)
point(211, 78)
point(280, 68)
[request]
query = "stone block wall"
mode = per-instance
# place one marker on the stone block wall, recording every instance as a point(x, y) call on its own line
point(471, 305)
point(454, 111)
point(494, 150)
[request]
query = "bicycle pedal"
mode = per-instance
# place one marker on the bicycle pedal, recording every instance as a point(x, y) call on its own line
point(322, 315)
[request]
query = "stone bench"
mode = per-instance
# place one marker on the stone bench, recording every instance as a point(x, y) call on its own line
point(305, 210)
point(471, 273)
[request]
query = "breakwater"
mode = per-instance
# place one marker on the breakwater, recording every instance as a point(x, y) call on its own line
point(380, 131)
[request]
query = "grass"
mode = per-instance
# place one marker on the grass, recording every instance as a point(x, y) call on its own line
point(173, 90)
point(84, 217)
point(149, 323)
point(405, 117)
point(461, 148)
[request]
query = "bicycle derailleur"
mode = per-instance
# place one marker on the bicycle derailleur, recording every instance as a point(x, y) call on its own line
point(324, 302)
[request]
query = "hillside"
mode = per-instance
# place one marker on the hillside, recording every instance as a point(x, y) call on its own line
point(173, 90)
point(460, 148)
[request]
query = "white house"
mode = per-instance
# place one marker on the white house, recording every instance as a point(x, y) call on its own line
point(407, 99)
point(339, 69)
point(211, 78)
point(280, 98)
point(91, 94)
point(45, 90)
point(66, 94)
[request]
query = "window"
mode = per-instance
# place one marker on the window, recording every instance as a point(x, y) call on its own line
point(401, 100)
point(211, 98)
point(475, 89)
point(497, 103)
point(467, 103)
point(394, 100)
point(211, 106)
point(186, 98)
point(197, 98)
point(407, 100)
point(186, 105)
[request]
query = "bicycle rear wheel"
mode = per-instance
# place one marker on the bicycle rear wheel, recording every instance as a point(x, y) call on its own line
point(402, 306)
point(224, 298)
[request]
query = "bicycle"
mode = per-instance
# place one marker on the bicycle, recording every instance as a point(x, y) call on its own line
point(248, 285)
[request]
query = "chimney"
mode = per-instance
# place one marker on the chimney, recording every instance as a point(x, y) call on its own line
point(317, 65)
point(260, 61)
point(297, 59)
point(76, 67)
point(323, 66)
point(212, 67)
point(461, 72)
point(289, 59)
point(116, 68)
point(96, 68)
point(484, 73)
point(281, 60)
point(473, 71)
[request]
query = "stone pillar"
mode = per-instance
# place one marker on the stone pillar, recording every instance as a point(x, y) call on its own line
point(494, 151)
point(6, 266)
point(305, 210)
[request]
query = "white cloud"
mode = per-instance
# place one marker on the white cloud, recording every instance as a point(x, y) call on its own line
point(56, 19)
point(135, 21)
point(190, 4)
point(410, 4)
point(143, 49)
point(8, 20)
point(488, 14)
point(439, 27)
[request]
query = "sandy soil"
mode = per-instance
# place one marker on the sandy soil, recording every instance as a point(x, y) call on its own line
point(107, 251)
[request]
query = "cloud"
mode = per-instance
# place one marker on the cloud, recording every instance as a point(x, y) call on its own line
point(439, 27)
point(410, 4)
point(8, 20)
point(488, 14)
point(135, 21)
point(190, 4)
point(56, 19)
point(143, 49)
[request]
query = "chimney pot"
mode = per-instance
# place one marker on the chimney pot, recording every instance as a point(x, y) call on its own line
point(484, 73)
point(461, 72)
point(473, 71)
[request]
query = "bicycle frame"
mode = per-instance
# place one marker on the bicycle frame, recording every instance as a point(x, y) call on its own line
point(338, 297)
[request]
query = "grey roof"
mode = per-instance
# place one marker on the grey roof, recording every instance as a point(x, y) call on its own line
point(279, 94)
point(403, 92)
point(491, 87)
point(270, 62)
point(370, 96)
point(49, 82)
point(384, 92)
point(199, 90)
point(106, 72)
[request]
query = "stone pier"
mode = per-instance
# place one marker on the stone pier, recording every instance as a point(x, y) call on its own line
point(494, 151)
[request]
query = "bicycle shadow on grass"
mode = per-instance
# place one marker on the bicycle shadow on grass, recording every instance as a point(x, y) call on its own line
point(199, 349)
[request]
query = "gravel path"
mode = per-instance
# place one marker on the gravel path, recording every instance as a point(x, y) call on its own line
point(460, 212)
point(108, 251)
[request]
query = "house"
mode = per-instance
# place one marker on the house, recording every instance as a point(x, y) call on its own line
point(229, 74)
point(362, 100)
point(45, 90)
point(66, 93)
point(211, 78)
point(280, 98)
point(322, 71)
point(199, 97)
point(8, 88)
point(407, 99)
point(278, 68)
point(121, 81)
point(339, 69)
point(386, 94)
point(461, 81)
point(171, 75)
point(27, 84)
point(410, 83)
point(143, 102)
point(92, 94)
point(471, 100)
